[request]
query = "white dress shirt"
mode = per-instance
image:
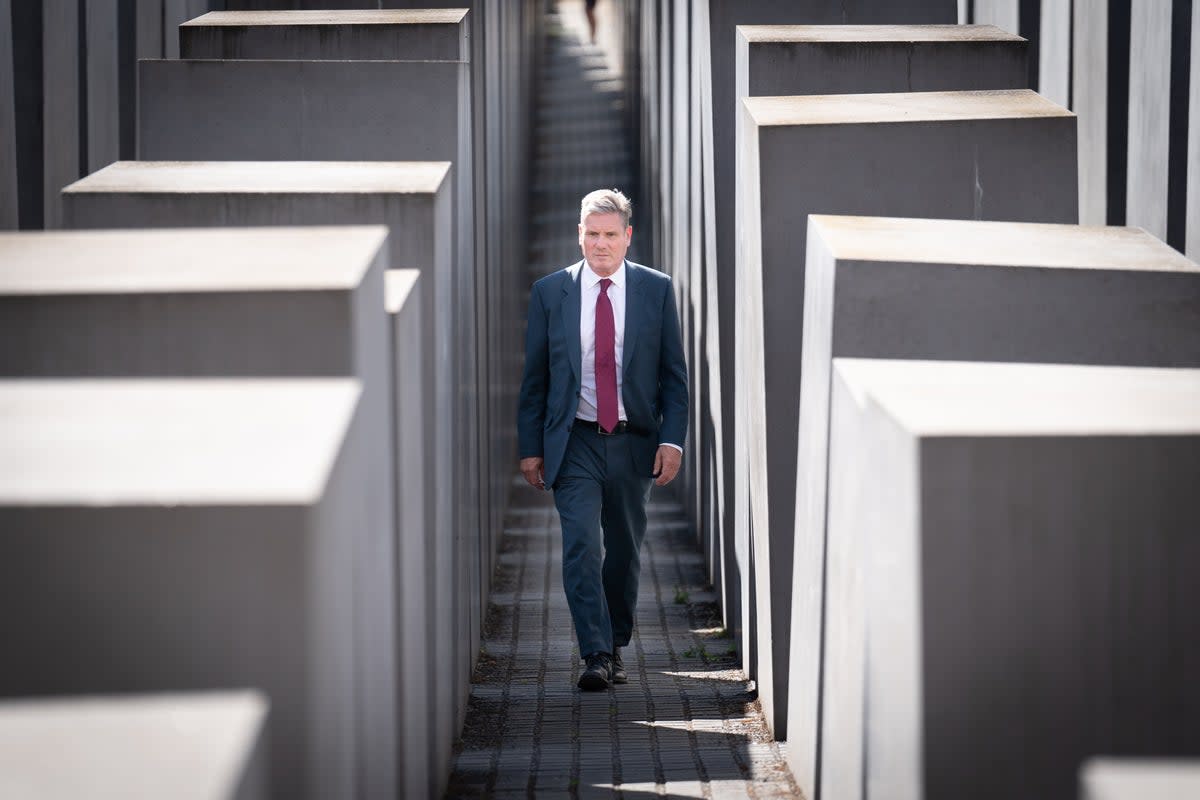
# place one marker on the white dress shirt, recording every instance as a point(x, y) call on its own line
point(589, 289)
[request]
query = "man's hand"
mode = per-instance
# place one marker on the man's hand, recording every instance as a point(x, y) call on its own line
point(531, 468)
point(666, 464)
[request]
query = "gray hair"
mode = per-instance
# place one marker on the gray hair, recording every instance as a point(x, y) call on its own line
point(606, 201)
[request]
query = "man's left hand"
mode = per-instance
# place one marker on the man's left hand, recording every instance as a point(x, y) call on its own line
point(666, 464)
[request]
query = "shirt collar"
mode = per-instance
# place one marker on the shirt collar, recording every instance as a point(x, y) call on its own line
point(590, 278)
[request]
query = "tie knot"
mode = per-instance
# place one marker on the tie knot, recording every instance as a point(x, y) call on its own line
point(604, 284)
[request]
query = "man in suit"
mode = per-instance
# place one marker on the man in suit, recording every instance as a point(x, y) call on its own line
point(603, 413)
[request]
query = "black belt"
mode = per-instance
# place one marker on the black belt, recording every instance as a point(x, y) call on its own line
point(591, 425)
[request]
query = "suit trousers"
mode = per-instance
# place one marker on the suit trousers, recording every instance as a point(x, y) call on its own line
point(601, 500)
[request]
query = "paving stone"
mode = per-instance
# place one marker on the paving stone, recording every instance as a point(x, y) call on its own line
point(684, 725)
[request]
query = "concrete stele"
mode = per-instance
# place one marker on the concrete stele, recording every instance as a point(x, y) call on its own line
point(953, 290)
point(844, 59)
point(425, 609)
point(167, 535)
point(425, 34)
point(203, 746)
point(276, 302)
point(413, 198)
point(788, 60)
point(713, 48)
point(953, 483)
point(999, 155)
point(351, 111)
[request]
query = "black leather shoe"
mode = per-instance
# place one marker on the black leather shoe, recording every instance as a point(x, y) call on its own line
point(618, 667)
point(598, 674)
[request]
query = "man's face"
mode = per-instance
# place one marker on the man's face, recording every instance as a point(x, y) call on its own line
point(604, 240)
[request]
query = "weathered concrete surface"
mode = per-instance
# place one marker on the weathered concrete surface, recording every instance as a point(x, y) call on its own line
point(414, 199)
point(60, 107)
point(426, 35)
point(172, 535)
point(1192, 232)
point(846, 59)
point(966, 291)
point(1015, 546)
point(1149, 117)
point(1089, 90)
point(303, 110)
point(1145, 778)
point(425, 561)
point(777, 60)
point(713, 43)
point(103, 133)
point(998, 155)
point(257, 303)
point(206, 746)
point(8, 122)
point(351, 111)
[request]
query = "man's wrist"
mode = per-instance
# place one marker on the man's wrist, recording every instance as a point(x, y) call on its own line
point(671, 444)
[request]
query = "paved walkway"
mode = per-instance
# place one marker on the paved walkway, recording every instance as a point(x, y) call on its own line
point(685, 724)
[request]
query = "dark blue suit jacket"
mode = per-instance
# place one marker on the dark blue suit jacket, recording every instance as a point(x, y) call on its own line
point(654, 373)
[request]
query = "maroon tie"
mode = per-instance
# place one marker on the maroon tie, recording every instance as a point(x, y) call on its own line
point(606, 360)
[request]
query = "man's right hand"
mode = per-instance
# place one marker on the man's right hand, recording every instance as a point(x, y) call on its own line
point(531, 468)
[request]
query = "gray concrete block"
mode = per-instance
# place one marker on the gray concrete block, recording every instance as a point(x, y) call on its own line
point(266, 302)
point(1012, 550)
point(427, 35)
point(858, 59)
point(1149, 116)
point(415, 201)
point(207, 746)
point(715, 41)
point(777, 60)
point(103, 85)
point(412, 198)
point(425, 561)
point(149, 35)
point(999, 155)
point(1144, 779)
point(8, 121)
point(947, 290)
point(1193, 146)
point(177, 535)
point(1054, 56)
point(349, 110)
point(60, 103)
point(1089, 91)
point(302, 110)
point(1004, 14)
point(315, 5)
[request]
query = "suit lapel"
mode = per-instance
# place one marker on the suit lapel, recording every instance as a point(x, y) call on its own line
point(572, 290)
point(633, 313)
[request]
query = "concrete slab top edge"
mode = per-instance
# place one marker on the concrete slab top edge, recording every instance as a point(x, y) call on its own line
point(398, 286)
point(236, 64)
point(424, 16)
point(266, 177)
point(325, 258)
point(1143, 778)
point(116, 746)
point(99, 442)
point(969, 399)
point(1016, 244)
point(852, 109)
point(851, 34)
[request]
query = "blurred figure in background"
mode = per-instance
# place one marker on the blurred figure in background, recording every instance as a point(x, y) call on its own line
point(590, 10)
